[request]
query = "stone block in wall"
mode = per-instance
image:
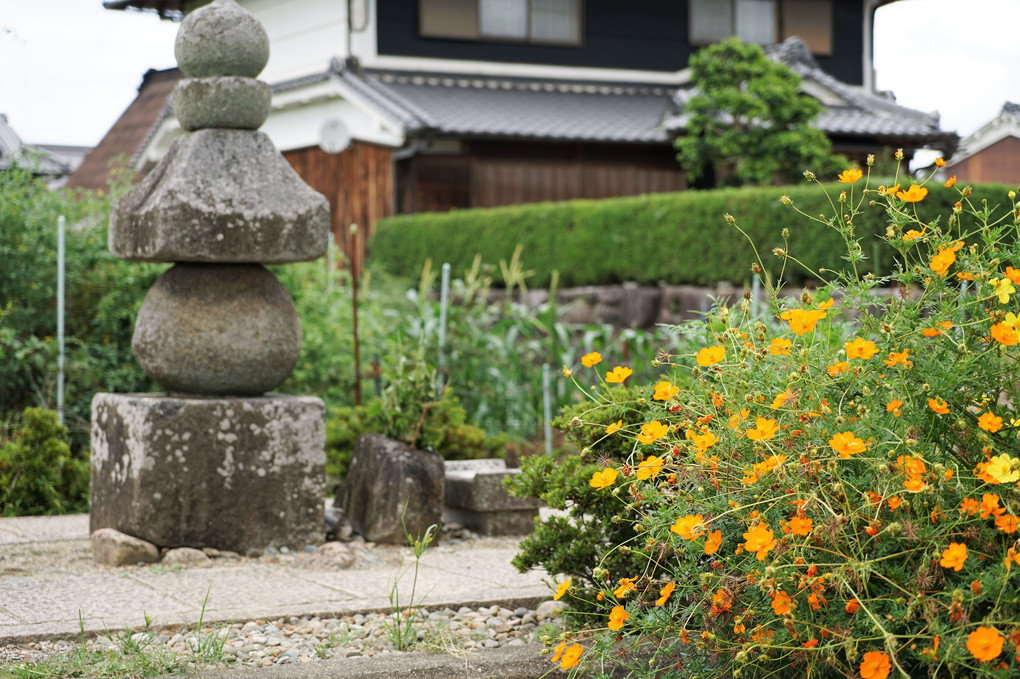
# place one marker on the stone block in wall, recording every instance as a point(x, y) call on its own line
point(476, 497)
point(230, 473)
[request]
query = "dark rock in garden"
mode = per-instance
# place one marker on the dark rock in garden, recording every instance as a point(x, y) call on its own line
point(184, 556)
point(226, 101)
point(221, 38)
point(234, 474)
point(221, 196)
point(391, 489)
point(217, 329)
point(113, 548)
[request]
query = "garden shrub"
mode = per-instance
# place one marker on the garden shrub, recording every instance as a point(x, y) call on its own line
point(38, 475)
point(674, 238)
point(832, 490)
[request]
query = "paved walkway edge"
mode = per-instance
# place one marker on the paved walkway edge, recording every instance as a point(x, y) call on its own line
point(508, 662)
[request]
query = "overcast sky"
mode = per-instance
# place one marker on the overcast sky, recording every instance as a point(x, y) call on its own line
point(68, 68)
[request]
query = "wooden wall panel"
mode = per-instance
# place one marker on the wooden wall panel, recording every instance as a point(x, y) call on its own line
point(358, 184)
point(1000, 162)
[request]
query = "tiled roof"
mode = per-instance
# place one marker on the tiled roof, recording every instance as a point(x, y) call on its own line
point(15, 152)
point(519, 107)
point(852, 111)
point(131, 131)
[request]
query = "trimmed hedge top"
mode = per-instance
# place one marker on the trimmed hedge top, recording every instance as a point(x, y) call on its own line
point(675, 238)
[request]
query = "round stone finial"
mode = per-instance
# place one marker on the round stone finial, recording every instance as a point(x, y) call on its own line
point(221, 38)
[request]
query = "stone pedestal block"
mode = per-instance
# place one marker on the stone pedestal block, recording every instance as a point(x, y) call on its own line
point(228, 473)
point(476, 497)
point(391, 489)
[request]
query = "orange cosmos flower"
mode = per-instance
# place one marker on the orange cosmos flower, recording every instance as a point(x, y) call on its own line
point(852, 606)
point(859, 348)
point(562, 588)
point(653, 431)
point(1007, 523)
point(895, 502)
point(781, 603)
point(703, 441)
point(801, 321)
point(781, 399)
point(945, 258)
point(592, 359)
point(990, 422)
point(649, 468)
point(618, 374)
point(689, 527)
point(951, 182)
point(567, 372)
point(797, 526)
point(875, 665)
point(837, 368)
point(990, 505)
point(665, 391)
point(940, 162)
point(664, 593)
point(1005, 334)
point(954, 556)
point(626, 584)
point(614, 427)
point(894, 407)
point(571, 656)
point(711, 355)
point(899, 358)
point(914, 234)
point(759, 539)
point(846, 444)
point(849, 176)
point(1013, 275)
point(617, 617)
point(606, 477)
point(985, 643)
point(970, 505)
point(938, 405)
point(722, 600)
point(713, 542)
point(780, 346)
point(915, 194)
point(764, 429)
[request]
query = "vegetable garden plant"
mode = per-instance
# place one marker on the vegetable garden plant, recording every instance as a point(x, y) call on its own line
point(828, 491)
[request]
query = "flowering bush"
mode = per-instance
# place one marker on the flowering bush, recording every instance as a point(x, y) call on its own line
point(831, 491)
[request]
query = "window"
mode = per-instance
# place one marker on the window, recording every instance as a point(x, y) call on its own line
point(762, 22)
point(538, 21)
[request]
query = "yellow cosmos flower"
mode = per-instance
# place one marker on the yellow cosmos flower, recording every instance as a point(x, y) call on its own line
point(849, 176)
point(703, 441)
point(1003, 468)
point(618, 374)
point(653, 431)
point(592, 359)
point(898, 358)
point(802, 321)
point(562, 588)
point(665, 391)
point(780, 346)
point(837, 368)
point(1002, 288)
point(764, 429)
point(915, 194)
point(664, 593)
point(649, 468)
point(711, 355)
point(604, 478)
point(846, 444)
point(859, 348)
point(626, 584)
point(614, 427)
point(689, 527)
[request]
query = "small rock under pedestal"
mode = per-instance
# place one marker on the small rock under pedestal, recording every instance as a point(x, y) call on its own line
point(230, 473)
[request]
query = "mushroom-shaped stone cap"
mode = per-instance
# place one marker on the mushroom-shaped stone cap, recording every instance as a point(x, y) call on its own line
point(221, 38)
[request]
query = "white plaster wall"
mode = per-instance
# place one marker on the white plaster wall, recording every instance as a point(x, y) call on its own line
point(303, 35)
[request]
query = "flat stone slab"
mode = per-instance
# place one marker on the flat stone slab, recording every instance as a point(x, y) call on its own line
point(23, 529)
point(230, 473)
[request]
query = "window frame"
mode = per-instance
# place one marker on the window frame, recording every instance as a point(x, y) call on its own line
point(779, 28)
point(478, 36)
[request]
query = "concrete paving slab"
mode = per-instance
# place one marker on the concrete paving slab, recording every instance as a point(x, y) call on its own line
point(44, 528)
point(488, 565)
point(233, 591)
point(103, 601)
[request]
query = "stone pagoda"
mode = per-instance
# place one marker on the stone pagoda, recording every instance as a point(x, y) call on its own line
point(216, 461)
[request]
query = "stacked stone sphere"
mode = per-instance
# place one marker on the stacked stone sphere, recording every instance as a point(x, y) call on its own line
point(221, 204)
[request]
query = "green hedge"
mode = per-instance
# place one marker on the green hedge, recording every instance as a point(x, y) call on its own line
point(675, 238)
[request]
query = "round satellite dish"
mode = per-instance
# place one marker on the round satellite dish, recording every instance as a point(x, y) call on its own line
point(334, 136)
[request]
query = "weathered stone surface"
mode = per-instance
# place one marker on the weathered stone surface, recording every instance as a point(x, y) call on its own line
point(499, 522)
point(217, 329)
point(391, 488)
point(482, 489)
point(549, 609)
point(223, 101)
point(113, 548)
point(184, 556)
point(332, 556)
point(229, 473)
point(221, 38)
point(221, 196)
